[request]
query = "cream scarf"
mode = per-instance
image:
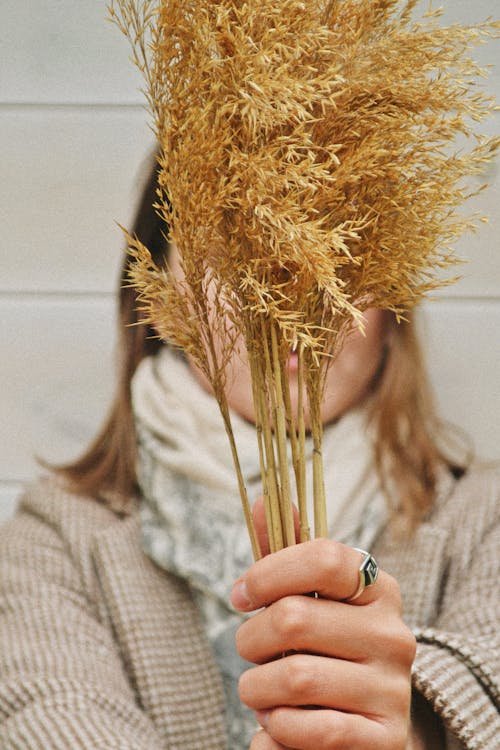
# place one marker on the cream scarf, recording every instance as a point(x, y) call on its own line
point(192, 523)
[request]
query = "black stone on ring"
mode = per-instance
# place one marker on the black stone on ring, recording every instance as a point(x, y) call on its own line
point(368, 573)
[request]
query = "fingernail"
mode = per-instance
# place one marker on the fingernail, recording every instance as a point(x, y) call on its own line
point(239, 595)
point(262, 717)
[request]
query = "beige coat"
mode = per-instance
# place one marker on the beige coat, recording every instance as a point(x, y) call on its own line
point(102, 650)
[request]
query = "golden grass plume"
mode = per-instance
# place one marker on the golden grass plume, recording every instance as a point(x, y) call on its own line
point(308, 171)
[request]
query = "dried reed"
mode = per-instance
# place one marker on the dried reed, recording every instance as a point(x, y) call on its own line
point(307, 172)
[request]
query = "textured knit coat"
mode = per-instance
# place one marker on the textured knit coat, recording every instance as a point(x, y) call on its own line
point(102, 650)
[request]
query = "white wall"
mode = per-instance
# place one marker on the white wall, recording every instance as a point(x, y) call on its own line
point(73, 140)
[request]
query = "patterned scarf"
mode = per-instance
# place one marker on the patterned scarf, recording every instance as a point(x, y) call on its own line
point(192, 523)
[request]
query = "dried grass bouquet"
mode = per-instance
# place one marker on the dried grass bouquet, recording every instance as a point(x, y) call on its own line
point(307, 172)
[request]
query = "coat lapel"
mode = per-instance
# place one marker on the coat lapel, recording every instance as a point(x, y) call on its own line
point(418, 564)
point(158, 631)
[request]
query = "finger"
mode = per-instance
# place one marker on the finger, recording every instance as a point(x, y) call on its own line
point(307, 680)
point(306, 729)
point(260, 523)
point(259, 520)
point(320, 626)
point(322, 565)
point(263, 741)
point(328, 628)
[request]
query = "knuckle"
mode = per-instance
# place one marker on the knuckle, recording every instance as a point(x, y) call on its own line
point(393, 590)
point(403, 644)
point(329, 556)
point(398, 640)
point(397, 709)
point(409, 645)
point(289, 619)
point(402, 697)
point(299, 679)
point(336, 734)
point(331, 739)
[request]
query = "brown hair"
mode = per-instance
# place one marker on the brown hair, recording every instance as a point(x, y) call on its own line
point(412, 444)
point(407, 452)
point(107, 468)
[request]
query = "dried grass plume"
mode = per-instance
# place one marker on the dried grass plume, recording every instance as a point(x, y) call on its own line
point(308, 170)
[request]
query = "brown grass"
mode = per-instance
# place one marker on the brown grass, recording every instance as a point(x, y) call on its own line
point(308, 152)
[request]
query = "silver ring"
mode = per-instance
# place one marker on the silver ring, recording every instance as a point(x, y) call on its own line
point(368, 574)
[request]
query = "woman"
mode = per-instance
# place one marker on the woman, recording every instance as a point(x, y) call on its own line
point(116, 629)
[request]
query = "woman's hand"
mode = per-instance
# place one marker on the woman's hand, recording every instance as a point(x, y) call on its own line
point(345, 681)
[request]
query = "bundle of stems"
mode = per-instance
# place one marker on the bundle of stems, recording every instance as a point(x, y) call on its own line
point(307, 171)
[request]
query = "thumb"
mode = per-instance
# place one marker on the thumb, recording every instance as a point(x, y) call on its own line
point(259, 520)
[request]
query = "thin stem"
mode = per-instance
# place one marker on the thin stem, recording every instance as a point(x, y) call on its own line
point(254, 371)
point(271, 500)
point(281, 441)
point(314, 397)
point(241, 482)
point(274, 485)
point(305, 532)
point(298, 460)
point(290, 418)
point(220, 394)
point(274, 490)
